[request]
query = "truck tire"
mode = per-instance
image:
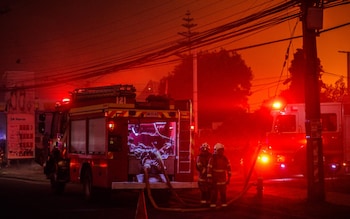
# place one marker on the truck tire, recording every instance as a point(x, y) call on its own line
point(87, 184)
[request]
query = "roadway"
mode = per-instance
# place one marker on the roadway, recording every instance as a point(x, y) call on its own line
point(25, 187)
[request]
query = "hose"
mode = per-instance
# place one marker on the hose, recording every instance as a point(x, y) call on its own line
point(162, 167)
point(154, 204)
point(193, 208)
point(247, 186)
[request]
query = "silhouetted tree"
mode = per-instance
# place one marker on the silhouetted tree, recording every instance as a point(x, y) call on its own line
point(224, 82)
point(332, 93)
point(296, 91)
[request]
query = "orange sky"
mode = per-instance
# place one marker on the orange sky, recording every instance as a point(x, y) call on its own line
point(55, 37)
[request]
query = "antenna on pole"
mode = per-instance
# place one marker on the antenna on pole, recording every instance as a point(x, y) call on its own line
point(189, 33)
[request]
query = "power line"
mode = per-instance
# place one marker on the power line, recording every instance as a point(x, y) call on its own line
point(114, 65)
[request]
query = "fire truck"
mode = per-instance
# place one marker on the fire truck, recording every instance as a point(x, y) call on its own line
point(284, 151)
point(107, 140)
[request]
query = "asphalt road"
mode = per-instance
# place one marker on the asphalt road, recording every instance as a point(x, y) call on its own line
point(26, 193)
point(31, 199)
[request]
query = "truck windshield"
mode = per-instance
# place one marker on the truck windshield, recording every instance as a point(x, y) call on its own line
point(285, 123)
point(329, 122)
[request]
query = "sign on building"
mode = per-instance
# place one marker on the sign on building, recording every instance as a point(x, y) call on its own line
point(20, 114)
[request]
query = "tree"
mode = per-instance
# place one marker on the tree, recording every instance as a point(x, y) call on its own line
point(296, 91)
point(334, 93)
point(224, 82)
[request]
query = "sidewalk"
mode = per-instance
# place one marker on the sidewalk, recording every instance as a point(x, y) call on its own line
point(27, 171)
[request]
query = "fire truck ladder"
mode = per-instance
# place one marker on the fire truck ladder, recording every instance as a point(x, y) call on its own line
point(184, 164)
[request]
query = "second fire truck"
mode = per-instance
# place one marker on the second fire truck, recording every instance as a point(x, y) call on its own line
point(285, 148)
point(107, 140)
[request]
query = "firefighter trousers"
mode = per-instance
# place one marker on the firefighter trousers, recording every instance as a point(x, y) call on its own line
point(218, 190)
point(204, 188)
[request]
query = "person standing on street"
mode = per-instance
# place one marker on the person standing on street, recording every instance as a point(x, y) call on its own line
point(219, 174)
point(201, 165)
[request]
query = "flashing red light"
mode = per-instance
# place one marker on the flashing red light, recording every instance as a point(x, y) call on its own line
point(277, 105)
point(65, 100)
point(192, 127)
point(111, 126)
point(264, 158)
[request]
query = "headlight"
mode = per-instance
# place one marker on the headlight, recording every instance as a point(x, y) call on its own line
point(264, 158)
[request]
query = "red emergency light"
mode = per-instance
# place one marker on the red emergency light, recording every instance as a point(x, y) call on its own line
point(264, 158)
point(277, 105)
point(111, 125)
point(66, 100)
point(192, 127)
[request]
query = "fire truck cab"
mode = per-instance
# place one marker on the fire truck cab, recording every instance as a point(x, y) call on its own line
point(285, 149)
point(111, 139)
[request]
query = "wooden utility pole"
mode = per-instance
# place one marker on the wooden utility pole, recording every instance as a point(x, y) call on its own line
point(348, 69)
point(312, 21)
point(189, 34)
point(195, 92)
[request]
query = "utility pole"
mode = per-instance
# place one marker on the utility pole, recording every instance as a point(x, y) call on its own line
point(189, 34)
point(348, 69)
point(195, 92)
point(312, 16)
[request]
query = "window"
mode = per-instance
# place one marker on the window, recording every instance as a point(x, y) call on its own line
point(78, 136)
point(97, 133)
point(285, 123)
point(329, 122)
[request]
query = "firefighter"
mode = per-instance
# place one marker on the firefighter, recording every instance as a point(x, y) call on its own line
point(201, 165)
point(51, 162)
point(219, 174)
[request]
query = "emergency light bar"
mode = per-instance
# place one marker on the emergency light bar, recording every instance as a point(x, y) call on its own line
point(122, 90)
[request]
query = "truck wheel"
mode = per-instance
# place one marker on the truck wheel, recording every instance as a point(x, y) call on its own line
point(87, 185)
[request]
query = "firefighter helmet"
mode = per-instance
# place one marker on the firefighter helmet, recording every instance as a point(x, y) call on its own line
point(218, 146)
point(205, 147)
